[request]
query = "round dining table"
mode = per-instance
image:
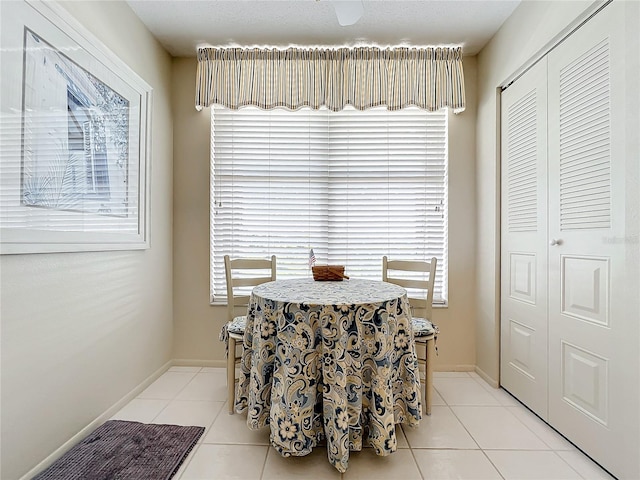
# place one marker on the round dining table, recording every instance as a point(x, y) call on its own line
point(330, 361)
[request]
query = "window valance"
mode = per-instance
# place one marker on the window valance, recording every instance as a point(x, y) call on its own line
point(364, 77)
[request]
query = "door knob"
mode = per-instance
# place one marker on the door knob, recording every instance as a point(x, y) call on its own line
point(555, 242)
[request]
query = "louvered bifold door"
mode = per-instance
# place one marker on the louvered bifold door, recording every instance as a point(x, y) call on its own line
point(523, 369)
point(593, 276)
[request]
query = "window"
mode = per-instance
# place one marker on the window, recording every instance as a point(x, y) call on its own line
point(352, 185)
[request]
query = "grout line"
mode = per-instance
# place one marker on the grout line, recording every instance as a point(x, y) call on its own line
point(493, 464)
point(413, 455)
point(264, 462)
point(194, 374)
point(484, 451)
point(465, 428)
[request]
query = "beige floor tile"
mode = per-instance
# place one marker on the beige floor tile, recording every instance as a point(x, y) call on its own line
point(451, 374)
point(366, 465)
point(531, 465)
point(547, 434)
point(455, 464)
point(205, 386)
point(233, 429)
point(402, 438)
point(168, 385)
point(220, 370)
point(584, 465)
point(497, 428)
point(313, 466)
point(190, 412)
point(440, 430)
point(141, 410)
point(436, 398)
point(228, 462)
point(463, 391)
point(500, 394)
point(184, 368)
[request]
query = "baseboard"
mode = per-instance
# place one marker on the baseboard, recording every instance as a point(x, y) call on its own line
point(454, 368)
point(487, 378)
point(185, 362)
point(96, 422)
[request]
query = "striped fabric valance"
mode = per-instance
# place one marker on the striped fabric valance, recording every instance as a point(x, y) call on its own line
point(364, 77)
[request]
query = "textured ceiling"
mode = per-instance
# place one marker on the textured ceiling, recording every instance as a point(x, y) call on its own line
point(182, 25)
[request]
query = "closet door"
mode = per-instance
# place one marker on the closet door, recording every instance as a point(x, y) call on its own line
point(593, 324)
point(523, 364)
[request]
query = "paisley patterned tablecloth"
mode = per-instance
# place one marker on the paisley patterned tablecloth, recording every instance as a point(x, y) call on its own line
point(329, 360)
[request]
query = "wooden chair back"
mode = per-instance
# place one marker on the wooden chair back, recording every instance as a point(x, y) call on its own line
point(245, 272)
point(423, 279)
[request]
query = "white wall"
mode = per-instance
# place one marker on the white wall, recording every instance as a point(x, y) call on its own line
point(197, 324)
point(79, 331)
point(532, 25)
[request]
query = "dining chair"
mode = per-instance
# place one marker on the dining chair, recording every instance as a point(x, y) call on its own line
point(412, 274)
point(240, 273)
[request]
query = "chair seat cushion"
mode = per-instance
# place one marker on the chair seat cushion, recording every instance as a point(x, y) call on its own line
point(423, 327)
point(237, 325)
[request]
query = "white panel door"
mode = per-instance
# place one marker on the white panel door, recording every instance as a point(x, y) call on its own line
point(523, 361)
point(593, 323)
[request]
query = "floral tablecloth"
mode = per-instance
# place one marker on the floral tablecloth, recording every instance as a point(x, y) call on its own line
point(329, 360)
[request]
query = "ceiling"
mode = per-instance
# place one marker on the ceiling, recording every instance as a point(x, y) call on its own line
point(182, 25)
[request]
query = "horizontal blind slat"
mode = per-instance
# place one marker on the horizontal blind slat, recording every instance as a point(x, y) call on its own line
point(352, 185)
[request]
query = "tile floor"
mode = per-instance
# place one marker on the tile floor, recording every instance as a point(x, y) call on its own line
point(474, 432)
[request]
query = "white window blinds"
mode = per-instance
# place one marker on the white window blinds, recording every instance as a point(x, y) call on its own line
point(353, 185)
